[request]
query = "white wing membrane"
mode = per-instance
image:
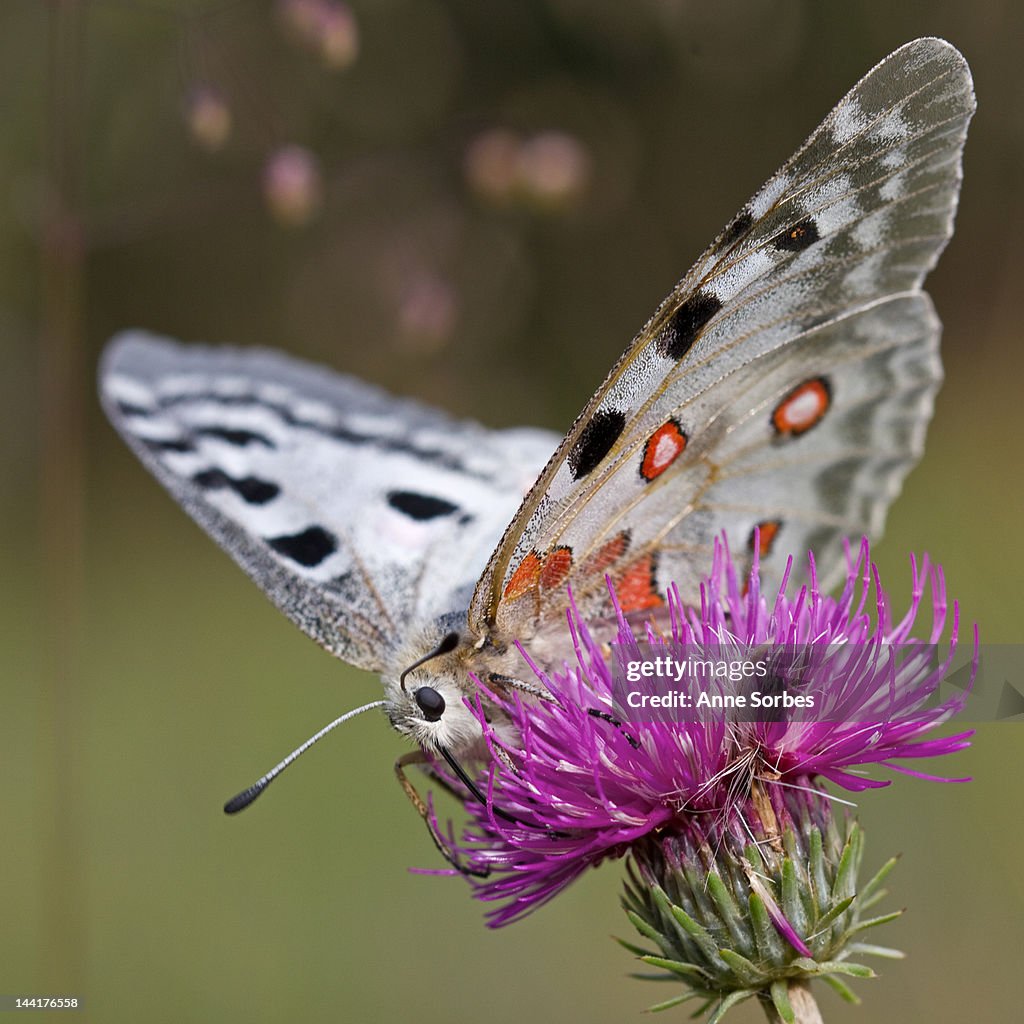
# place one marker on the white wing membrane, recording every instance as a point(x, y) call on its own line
point(702, 427)
point(360, 515)
point(839, 479)
point(783, 387)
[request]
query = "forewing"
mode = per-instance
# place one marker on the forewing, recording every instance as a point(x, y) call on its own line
point(360, 515)
point(785, 382)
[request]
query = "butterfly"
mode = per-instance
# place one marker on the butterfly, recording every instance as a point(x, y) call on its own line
point(778, 396)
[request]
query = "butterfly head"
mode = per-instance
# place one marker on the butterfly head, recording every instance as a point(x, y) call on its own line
point(432, 712)
point(426, 701)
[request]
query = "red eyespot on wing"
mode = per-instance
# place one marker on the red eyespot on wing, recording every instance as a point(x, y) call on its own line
point(803, 407)
point(635, 588)
point(764, 534)
point(663, 447)
point(525, 578)
point(555, 568)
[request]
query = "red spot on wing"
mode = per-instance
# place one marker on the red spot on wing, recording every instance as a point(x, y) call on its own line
point(606, 555)
point(535, 573)
point(803, 407)
point(764, 534)
point(636, 589)
point(663, 447)
point(525, 578)
point(555, 569)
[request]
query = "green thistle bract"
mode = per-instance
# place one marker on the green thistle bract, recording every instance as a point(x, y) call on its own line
point(735, 919)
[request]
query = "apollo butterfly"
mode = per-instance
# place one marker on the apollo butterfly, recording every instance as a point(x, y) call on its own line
point(780, 392)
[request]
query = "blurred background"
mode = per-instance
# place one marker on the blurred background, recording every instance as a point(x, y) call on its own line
point(478, 204)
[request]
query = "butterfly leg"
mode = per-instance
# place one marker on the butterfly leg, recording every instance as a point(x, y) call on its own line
point(418, 757)
point(615, 723)
point(510, 682)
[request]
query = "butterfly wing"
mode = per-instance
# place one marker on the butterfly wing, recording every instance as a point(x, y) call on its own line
point(786, 382)
point(360, 515)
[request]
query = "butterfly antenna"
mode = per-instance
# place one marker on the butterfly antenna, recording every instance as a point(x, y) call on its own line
point(246, 797)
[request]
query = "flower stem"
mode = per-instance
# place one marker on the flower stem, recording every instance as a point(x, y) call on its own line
point(805, 1009)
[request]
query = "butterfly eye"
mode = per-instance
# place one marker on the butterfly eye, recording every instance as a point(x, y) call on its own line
point(431, 703)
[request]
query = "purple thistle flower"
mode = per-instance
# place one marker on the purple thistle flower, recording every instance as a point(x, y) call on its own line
point(586, 783)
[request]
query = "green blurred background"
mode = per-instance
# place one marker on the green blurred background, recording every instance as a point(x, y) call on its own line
point(459, 250)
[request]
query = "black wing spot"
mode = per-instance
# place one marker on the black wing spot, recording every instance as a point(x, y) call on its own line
point(238, 437)
point(737, 229)
point(798, 237)
point(173, 444)
point(420, 506)
point(338, 431)
point(128, 409)
point(686, 324)
point(308, 548)
point(250, 488)
point(256, 491)
point(596, 441)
